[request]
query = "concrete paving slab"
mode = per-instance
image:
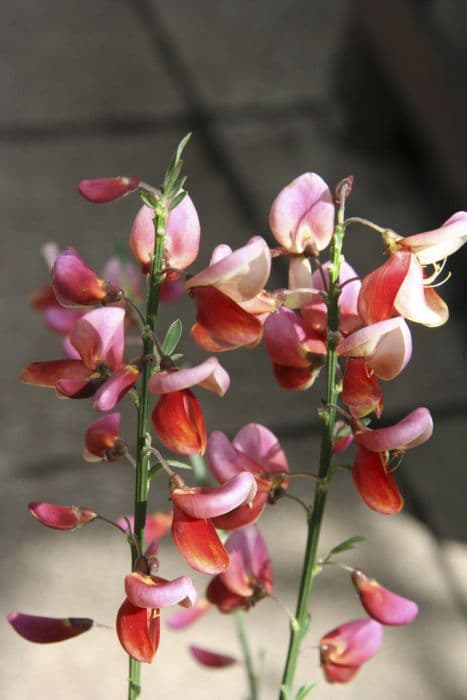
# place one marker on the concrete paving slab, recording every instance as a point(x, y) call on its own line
point(78, 61)
point(261, 53)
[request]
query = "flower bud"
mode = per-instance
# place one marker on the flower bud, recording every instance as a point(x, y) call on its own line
point(107, 189)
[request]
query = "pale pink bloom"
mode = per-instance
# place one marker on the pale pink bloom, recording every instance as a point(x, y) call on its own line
point(302, 215)
point(182, 236)
point(382, 604)
point(209, 374)
point(386, 346)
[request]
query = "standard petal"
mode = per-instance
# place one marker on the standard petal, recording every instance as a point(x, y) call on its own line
point(382, 604)
point(74, 283)
point(433, 246)
point(198, 542)
point(375, 483)
point(303, 214)
point(154, 592)
point(45, 630)
point(183, 233)
point(206, 502)
point(262, 446)
point(224, 460)
point(284, 336)
point(250, 564)
point(98, 336)
point(142, 237)
point(415, 429)
point(138, 630)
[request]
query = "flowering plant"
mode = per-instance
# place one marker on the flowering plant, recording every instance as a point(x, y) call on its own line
point(327, 320)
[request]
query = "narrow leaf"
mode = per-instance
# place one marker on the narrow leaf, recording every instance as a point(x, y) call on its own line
point(149, 199)
point(344, 546)
point(172, 337)
point(178, 465)
point(304, 690)
point(176, 200)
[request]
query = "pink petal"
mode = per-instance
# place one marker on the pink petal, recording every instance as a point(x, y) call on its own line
point(433, 246)
point(386, 346)
point(262, 446)
point(300, 272)
point(74, 283)
point(184, 618)
point(61, 320)
point(382, 604)
point(352, 643)
point(284, 337)
point(418, 303)
point(107, 189)
point(415, 429)
point(315, 312)
point(224, 460)
point(45, 630)
point(240, 275)
point(211, 659)
point(142, 237)
point(243, 515)
point(154, 592)
point(123, 275)
point(99, 337)
point(205, 502)
point(250, 563)
point(60, 517)
point(182, 235)
point(209, 374)
point(303, 214)
point(101, 436)
point(115, 388)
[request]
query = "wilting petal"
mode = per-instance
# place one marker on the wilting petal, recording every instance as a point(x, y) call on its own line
point(154, 592)
point(206, 502)
point(179, 424)
point(432, 246)
point(107, 189)
point(382, 604)
point(241, 275)
point(375, 483)
point(209, 374)
point(361, 391)
point(45, 630)
point(60, 517)
point(182, 235)
point(198, 542)
point(211, 659)
point(386, 346)
point(47, 374)
point(114, 389)
point(138, 630)
point(303, 214)
point(352, 643)
point(184, 618)
point(221, 323)
point(415, 429)
point(99, 337)
point(74, 283)
point(100, 438)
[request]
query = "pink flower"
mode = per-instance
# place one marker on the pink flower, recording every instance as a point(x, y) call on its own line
point(76, 284)
point(182, 236)
point(102, 440)
point(192, 529)
point(382, 604)
point(346, 648)
point(256, 450)
point(60, 517)
point(249, 577)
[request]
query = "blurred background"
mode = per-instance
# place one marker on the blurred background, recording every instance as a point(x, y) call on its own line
point(269, 89)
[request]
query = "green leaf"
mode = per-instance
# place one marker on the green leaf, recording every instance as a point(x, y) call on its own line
point(172, 337)
point(174, 168)
point(178, 465)
point(344, 546)
point(304, 690)
point(285, 693)
point(149, 199)
point(176, 200)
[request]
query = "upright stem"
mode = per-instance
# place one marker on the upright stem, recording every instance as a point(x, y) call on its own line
point(300, 624)
point(142, 455)
point(248, 661)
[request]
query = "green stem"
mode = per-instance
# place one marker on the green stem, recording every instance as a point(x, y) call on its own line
point(143, 455)
point(243, 639)
point(300, 624)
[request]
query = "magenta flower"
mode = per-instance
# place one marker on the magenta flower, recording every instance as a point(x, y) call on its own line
point(76, 284)
point(211, 659)
point(60, 517)
point(256, 450)
point(249, 577)
point(382, 604)
point(346, 648)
